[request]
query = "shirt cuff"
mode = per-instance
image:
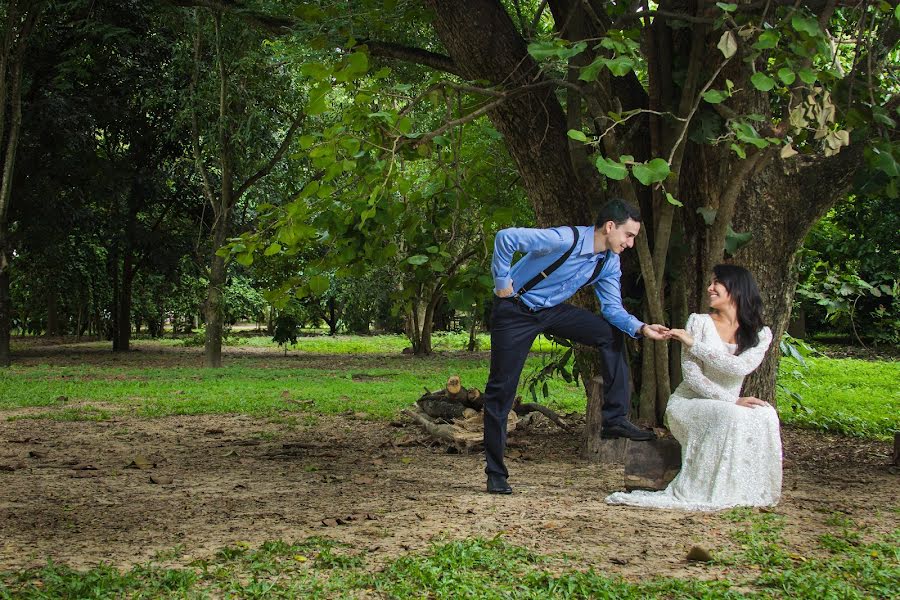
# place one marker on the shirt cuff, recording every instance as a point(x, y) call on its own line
point(501, 283)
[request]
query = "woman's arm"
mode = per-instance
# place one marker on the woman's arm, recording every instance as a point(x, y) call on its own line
point(693, 372)
point(741, 364)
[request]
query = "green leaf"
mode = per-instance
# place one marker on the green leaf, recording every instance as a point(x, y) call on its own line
point(762, 82)
point(715, 96)
point(671, 200)
point(806, 25)
point(316, 71)
point(620, 66)
point(727, 7)
point(881, 116)
point(306, 141)
point(708, 214)
point(767, 40)
point(786, 75)
point(748, 134)
point(319, 284)
point(404, 125)
point(735, 241)
point(542, 50)
point(654, 171)
point(808, 76)
point(274, 248)
point(244, 258)
point(317, 99)
point(591, 71)
point(577, 135)
point(611, 168)
point(418, 259)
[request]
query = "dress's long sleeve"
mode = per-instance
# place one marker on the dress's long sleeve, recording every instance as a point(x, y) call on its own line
point(742, 364)
point(692, 371)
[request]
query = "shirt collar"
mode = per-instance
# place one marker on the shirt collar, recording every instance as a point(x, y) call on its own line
point(587, 243)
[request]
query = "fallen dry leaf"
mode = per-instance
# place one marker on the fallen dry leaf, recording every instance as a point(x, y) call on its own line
point(140, 462)
point(84, 467)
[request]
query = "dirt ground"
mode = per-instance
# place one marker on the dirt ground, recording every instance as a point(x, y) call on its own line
point(70, 495)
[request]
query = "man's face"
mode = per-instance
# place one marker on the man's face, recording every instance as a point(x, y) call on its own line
point(621, 237)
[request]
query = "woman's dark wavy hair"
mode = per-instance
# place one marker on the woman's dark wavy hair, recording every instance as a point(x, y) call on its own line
point(745, 295)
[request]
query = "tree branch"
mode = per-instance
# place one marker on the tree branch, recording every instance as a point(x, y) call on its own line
point(419, 56)
point(267, 168)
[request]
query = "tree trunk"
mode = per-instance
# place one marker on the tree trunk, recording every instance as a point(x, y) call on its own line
point(5, 356)
point(122, 333)
point(52, 314)
point(214, 309)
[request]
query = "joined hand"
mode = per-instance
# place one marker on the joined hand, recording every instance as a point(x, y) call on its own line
point(655, 332)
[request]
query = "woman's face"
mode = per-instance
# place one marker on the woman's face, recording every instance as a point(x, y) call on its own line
point(719, 297)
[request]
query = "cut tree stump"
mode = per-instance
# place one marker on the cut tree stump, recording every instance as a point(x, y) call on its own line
point(450, 402)
point(596, 449)
point(651, 465)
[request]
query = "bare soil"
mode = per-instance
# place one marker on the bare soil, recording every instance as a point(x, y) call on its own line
point(71, 496)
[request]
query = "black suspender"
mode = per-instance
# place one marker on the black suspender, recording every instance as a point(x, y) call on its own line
point(549, 270)
point(597, 269)
point(556, 264)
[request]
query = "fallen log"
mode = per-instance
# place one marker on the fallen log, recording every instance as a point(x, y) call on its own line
point(523, 409)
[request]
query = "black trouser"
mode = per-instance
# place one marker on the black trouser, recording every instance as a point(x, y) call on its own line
point(513, 329)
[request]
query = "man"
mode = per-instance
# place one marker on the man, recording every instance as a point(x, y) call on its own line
point(531, 293)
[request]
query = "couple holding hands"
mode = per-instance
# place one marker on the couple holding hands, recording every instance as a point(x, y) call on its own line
point(731, 445)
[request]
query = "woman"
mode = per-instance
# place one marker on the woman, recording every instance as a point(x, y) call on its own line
point(730, 445)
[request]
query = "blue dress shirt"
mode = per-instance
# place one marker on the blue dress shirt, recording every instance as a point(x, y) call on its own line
point(541, 248)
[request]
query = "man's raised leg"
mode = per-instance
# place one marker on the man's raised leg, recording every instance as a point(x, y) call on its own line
point(585, 327)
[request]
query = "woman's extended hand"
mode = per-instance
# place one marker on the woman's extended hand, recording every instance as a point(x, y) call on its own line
point(751, 402)
point(682, 336)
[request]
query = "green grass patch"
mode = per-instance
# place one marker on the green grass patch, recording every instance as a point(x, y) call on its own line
point(479, 568)
point(848, 396)
point(379, 387)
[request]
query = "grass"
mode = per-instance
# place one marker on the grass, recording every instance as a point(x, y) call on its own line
point(848, 396)
point(363, 386)
point(367, 374)
point(845, 565)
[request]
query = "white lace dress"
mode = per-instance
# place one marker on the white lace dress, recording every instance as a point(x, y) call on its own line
point(731, 455)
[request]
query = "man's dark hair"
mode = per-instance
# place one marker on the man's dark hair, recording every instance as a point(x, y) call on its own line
point(618, 211)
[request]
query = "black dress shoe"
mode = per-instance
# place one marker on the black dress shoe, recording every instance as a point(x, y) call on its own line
point(496, 484)
point(626, 429)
